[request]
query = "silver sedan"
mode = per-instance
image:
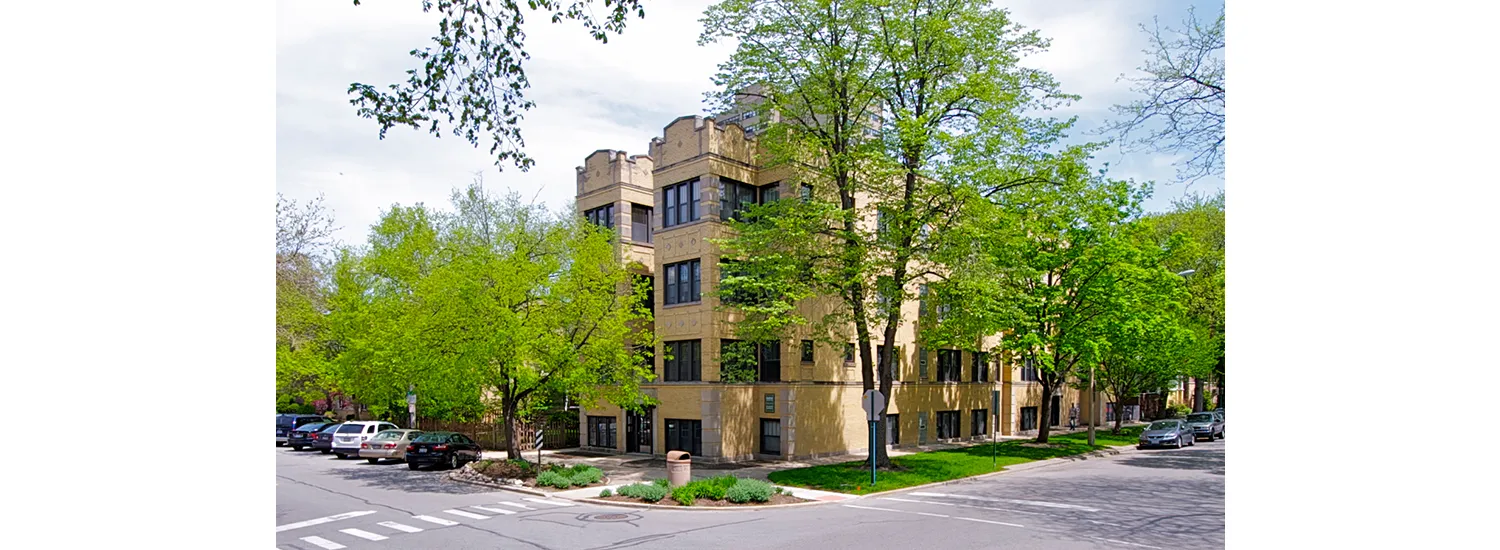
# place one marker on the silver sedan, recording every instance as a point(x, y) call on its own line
point(1174, 433)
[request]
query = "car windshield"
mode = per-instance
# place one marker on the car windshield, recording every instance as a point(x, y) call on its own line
point(351, 428)
point(388, 435)
point(1201, 417)
point(315, 426)
point(1162, 425)
point(431, 438)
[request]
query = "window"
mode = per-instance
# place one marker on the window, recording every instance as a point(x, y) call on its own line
point(948, 361)
point(805, 191)
point(947, 424)
point(921, 363)
point(748, 115)
point(680, 203)
point(980, 371)
point(738, 294)
point(1028, 418)
point(350, 428)
point(603, 216)
point(978, 425)
point(922, 303)
point(685, 435)
point(682, 282)
point(1056, 411)
point(770, 436)
point(807, 351)
point(770, 403)
point(601, 431)
point(640, 223)
point(685, 363)
point(737, 197)
point(770, 362)
point(848, 355)
point(1028, 371)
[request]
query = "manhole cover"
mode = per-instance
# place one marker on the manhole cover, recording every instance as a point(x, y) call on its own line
point(607, 517)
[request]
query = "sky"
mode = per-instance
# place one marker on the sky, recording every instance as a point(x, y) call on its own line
point(619, 95)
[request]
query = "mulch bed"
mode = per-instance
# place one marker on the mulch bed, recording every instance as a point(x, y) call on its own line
point(703, 502)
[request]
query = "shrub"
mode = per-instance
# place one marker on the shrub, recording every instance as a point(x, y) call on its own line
point(778, 490)
point(581, 468)
point(586, 476)
point(604, 493)
point(1178, 410)
point(553, 479)
point(749, 490)
point(660, 482)
point(684, 495)
point(652, 493)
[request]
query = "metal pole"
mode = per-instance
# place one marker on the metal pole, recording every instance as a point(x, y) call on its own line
point(872, 455)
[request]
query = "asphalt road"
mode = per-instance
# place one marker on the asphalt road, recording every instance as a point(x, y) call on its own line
point(1140, 499)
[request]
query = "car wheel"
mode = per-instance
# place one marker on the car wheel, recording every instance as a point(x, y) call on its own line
point(372, 460)
point(453, 462)
point(325, 451)
point(341, 455)
point(1179, 443)
point(411, 465)
point(296, 448)
point(280, 443)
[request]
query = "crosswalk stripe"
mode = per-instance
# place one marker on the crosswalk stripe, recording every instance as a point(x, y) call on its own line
point(439, 521)
point(323, 543)
point(1009, 500)
point(552, 502)
point(493, 510)
point(470, 515)
point(988, 521)
point(400, 527)
point(322, 520)
point(518, 505)
point(363, 534)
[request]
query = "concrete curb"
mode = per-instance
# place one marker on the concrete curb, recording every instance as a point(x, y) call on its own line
point(514, 488)
point(698, 508)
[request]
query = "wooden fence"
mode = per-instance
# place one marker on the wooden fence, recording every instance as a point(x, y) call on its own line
point(490, 434)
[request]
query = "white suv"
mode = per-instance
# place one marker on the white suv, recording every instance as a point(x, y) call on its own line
point(348, 436)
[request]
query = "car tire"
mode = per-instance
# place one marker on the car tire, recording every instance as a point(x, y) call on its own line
point(296, 448)
point(325, 451)
point(341, 455)
point(372, 460)
point(1179, 443)
point(411, 465)
point(453, 462)
point(280, 443)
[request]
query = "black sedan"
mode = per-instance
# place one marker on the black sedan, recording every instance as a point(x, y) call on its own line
point(302, 437)
point(447, 448)
point(323, 439)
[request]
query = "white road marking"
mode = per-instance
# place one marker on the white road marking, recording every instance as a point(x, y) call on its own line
point(363, 534)
point(1009, 500)
point(552, 502)
point(323, 543)
point(463, 514)
point(918, 501)
point(874, 508)
point(439, 521)
point(988, 521)
point(1123, 542)
point(493, 510)
point(322, 520)
point(933, 515)
point(968, 506)
point(518, 505)
point(400, 527)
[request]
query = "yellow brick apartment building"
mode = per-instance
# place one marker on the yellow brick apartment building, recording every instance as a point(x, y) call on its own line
point(665, 206)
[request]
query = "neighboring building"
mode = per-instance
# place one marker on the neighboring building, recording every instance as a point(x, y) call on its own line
point(666, 206)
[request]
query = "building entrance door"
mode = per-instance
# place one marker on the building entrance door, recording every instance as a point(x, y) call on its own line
point(638, 431)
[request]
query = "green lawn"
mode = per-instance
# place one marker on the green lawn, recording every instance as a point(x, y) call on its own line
point(933, 466)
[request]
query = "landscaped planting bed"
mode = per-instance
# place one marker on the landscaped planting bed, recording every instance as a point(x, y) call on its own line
point(519, 472)
point(725, 490)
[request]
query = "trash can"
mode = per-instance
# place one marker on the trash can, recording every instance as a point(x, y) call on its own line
point(679, 468)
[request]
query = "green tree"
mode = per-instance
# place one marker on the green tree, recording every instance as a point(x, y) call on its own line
point(496, 298)
point(473, 77)
point(304, 237)
point(894, 112)
point(1198, 221)
point(1182, 111)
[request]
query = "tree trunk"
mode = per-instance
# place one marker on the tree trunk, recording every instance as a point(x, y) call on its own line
point(1197, 394)
point(1044, 412)
point(512, 449)
point(883, 459)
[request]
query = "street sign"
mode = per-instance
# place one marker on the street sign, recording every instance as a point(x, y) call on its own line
point(538, 439)
point(873, 402)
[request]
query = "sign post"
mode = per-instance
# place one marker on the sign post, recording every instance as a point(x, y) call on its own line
point(539, 446)
point(873, 402)
point(411, 407)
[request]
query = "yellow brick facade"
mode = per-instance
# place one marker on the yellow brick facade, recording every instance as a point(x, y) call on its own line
point(816, 404)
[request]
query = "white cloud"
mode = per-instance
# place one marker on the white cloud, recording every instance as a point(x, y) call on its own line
point(589, 96)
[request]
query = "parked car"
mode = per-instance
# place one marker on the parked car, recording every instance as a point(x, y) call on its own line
point(1166, 432)
point(303, 436)
point(387, 444)
point(323, 440)
point(1206, 425)
point(450, 448)
point(285, 423)
point(347, 438)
